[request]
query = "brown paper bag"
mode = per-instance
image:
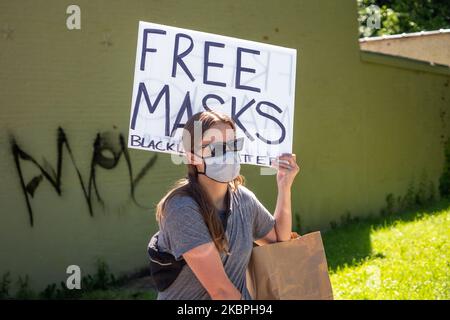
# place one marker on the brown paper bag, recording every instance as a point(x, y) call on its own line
point(290, 270)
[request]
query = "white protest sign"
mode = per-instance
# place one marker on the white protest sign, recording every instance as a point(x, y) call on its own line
point(180, 72)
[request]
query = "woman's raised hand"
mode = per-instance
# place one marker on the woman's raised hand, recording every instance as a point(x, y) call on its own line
point(287, 169)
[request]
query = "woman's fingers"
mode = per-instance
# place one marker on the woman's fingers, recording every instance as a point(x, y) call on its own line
point(290, 158)
point(286, 161)
point(284, 164)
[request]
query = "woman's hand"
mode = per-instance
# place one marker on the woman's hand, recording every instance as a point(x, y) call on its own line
point(287, 169)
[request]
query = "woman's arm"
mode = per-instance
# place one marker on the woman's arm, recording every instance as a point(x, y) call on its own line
point(205, 262)
point(283, 215)
point(287, 170)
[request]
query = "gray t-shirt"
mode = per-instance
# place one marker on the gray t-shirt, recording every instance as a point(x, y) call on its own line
point(182, 228)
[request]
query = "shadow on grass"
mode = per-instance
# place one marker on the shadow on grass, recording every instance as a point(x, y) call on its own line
point(349, 244)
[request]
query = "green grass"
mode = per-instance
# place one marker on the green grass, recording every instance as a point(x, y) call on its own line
point(403, 256)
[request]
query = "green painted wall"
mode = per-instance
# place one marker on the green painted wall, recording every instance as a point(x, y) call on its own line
point(362, 129)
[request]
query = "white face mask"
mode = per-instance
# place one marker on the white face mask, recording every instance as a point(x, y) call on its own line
point(224, 168)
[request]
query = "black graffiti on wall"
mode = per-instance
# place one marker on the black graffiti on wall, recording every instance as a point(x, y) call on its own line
point(108, 148)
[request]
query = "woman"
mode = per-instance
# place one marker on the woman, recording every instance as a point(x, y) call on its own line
point(191, 215)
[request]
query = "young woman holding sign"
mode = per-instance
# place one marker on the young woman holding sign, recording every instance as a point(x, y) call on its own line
point(192, 217)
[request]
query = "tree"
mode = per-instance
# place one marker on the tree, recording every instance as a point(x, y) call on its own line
point(398, 16)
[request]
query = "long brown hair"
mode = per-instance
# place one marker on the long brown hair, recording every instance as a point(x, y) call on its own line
point(190, 185)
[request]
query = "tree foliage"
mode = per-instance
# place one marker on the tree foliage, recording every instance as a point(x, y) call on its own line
point(398, 16)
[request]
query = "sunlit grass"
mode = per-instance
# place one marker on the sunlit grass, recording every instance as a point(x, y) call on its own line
point(406, 256)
